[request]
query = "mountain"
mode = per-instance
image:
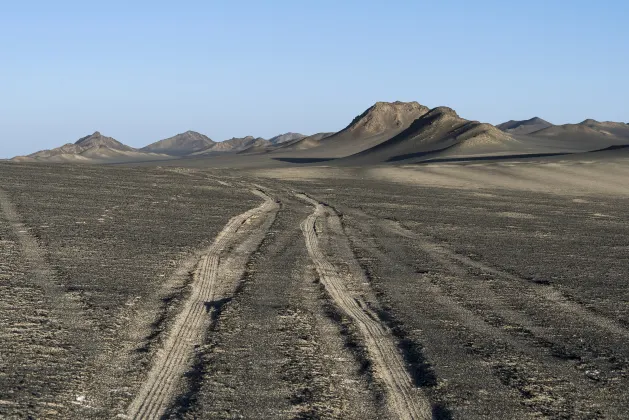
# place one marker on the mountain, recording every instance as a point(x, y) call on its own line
point(437, 134)
point(305, 142)
point(378, 123)
point(94, 148)
point(607, 128)
point(235, 144)
point(283, 138)
point(96, 140)
point(525, 126)
point(181, 144)
point(587, 135)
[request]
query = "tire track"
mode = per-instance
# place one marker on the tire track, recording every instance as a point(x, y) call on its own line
point(543, 291)
point(173, 359)
point(404, 400)
point(509, 346)
point(42, 274)
point(49, 327)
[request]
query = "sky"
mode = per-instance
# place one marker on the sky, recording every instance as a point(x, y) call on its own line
point(141, 71)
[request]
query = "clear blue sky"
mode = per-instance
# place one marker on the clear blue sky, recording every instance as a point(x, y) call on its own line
point(140, 71)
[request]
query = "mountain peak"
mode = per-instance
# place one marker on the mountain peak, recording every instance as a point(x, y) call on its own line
point(98, 140)
point(90, 137)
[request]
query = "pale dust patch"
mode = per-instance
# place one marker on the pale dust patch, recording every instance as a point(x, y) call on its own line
point(515, 215)
point(482, 194)
point(606, 216)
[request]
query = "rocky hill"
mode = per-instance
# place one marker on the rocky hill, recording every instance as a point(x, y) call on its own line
point(181, 144)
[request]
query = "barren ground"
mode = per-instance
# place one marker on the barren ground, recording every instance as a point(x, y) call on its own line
point(488, 291)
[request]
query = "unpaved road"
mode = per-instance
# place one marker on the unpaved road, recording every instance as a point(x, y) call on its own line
point(212, 283)
point(404, 400)
point(336, 298)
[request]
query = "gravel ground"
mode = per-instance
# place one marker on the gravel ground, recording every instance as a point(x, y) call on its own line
point(501, 303)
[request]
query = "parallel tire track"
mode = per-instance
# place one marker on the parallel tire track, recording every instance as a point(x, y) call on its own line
point(404, 400)
point(546, 292)
point(172, 360)
point(41, 272)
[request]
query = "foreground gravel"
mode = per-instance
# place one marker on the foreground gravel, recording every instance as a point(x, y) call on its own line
point(349, 297)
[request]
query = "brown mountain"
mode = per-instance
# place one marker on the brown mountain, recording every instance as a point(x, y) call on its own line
point(90, 149)
point(181, 144)
point(378, 123)
point(96, 140)
point(437, 134)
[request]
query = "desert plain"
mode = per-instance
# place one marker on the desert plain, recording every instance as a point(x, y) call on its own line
point(457, 272)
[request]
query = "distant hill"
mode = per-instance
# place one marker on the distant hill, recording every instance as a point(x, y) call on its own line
point(525, 126)
point(588, 134)
point(94, 148)
point(181, 144)
point(233, 145)
point(437, 134)
point(378, 123)
point(283, 138)
point(305, 142)
point(386, 132)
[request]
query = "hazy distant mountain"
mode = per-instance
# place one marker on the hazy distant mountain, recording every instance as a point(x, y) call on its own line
point(283, 138)
point(96, 140)
point(181, 144)
point(235, 144)
point(525, 126)
point(378, 123)
point(617, 129)
point(590, 132)
point(439, 133)
point(92, 148)
point(305, 142)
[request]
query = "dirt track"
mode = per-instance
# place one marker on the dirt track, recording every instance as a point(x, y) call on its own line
point(404, 400)
point(211, 285)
